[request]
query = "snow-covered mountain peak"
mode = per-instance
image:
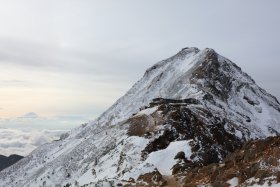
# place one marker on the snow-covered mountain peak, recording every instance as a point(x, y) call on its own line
point(196, 103)
point(189, 73)
point(181, 55)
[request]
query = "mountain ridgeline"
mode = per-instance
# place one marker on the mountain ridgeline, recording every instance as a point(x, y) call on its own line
point(190, 111)
point(6, 161)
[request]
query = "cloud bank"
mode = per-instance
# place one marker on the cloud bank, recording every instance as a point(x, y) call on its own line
point(33, 121)
point(22, 142)
point(23, 134)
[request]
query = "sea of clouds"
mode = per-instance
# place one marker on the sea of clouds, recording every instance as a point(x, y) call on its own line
point(21, 135)
point(22, 142)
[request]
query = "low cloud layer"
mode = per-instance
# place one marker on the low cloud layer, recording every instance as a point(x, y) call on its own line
point(22, 142)
point(33, 121)
point(23, 134)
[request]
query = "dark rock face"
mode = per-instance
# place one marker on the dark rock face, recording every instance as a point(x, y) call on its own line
point(180, 155)
point(8, 161)
point(212, 71)
point(184, 120)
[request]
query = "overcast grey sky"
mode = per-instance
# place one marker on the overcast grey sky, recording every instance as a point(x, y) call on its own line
point(69, 60)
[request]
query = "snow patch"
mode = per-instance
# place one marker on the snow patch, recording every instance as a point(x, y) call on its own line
point(233, 182)
point(147, 111)
point(164, 160)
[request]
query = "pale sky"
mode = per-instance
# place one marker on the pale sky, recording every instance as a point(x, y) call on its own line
point(69, 60)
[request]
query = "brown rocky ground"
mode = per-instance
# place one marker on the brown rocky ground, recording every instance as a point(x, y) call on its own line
point(257, 162)
point(259, 159)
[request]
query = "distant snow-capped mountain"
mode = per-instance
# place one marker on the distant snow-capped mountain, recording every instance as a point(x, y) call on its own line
point(196, 105)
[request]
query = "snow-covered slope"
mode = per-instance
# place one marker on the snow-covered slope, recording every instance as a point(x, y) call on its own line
point(196, 102)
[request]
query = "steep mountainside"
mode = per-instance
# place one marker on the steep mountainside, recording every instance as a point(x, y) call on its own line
point(196, 105)
point(8, 161)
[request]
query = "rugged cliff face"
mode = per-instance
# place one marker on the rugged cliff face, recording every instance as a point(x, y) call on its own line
point(189, 111)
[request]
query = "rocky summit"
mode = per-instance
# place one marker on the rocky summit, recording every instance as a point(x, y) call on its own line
point(194, 119)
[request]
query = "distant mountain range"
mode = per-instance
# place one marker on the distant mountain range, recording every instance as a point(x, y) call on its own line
point(8, 161)
point(191, 120)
